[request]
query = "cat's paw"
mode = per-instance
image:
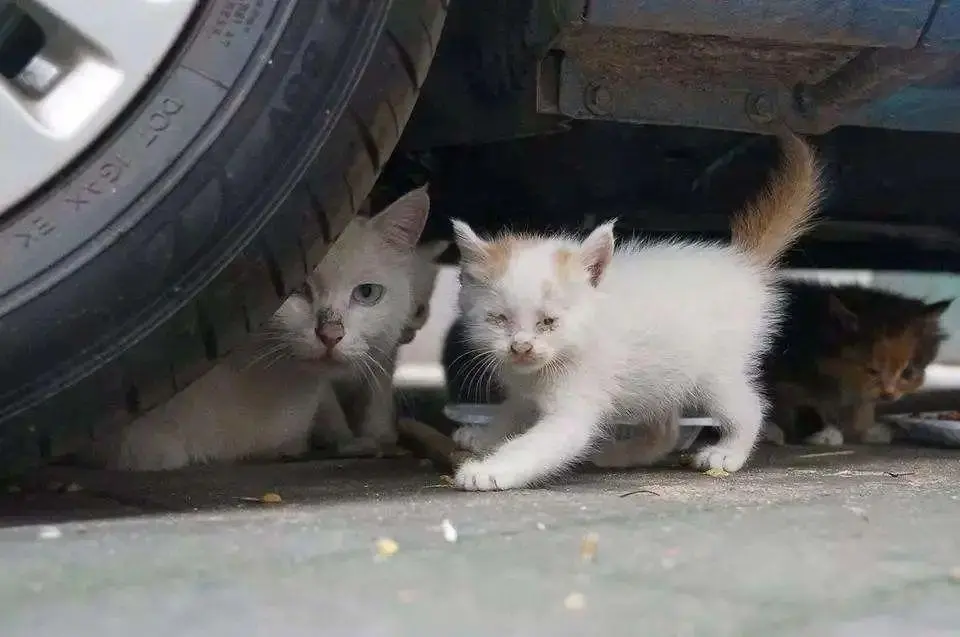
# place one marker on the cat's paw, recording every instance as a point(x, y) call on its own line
point(878, 434)
point(826, 437)
point(362, 447)
point(480, 475)
point(149, 449)
point(720, 457)
point(774, 435)
point(474, 438)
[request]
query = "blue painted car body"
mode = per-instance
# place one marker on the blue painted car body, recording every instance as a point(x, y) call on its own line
point(911, 101)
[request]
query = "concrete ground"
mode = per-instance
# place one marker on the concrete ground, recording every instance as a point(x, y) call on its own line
point(859, 543)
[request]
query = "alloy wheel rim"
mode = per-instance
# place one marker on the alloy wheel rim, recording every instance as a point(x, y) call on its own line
point(59, 94)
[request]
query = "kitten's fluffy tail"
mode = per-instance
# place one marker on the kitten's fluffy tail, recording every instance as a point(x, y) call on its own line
point(786, 207)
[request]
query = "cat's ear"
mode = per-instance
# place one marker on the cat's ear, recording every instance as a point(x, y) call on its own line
point(934, 311)
point(472, 247)
point(432, 250)
point(402, 221)
point(847, 319)
point(596, 251)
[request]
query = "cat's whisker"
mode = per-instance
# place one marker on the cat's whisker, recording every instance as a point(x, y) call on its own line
point(465, 374)
point(264, 354)
point(474, 381)
point(493, 366)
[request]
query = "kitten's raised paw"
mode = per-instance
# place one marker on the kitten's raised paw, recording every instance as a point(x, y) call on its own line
point(473, 438)
point(827, 437)
point(720, 457)
point(878, 434)
point(478, 475)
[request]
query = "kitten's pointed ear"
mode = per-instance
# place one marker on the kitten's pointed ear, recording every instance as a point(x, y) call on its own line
point(472, 247)
point(847, 319)
point(402, 221)
point(596, 251)
point(935, 310)
point(432, 250)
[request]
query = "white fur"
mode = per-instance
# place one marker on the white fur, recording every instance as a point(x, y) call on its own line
point(668, 324)
point(879, 434)
point(829, 436)
point(265, 398)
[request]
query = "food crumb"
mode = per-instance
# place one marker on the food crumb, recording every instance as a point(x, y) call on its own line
point(588, 547)
point(541, 526)
point(73, 487)
point(449, 531)
point(574, 601)
point(271, 498)
point(955, 574)
point(716, 472)
point(386, 547)
point(49, 533)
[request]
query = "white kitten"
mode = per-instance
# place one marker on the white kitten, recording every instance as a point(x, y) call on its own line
point(586, 334)
point(262, 401)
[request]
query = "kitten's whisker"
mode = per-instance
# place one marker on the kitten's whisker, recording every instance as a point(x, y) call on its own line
point(465, 374)
point(263, 354)
point(470, 352)
point(476, 374)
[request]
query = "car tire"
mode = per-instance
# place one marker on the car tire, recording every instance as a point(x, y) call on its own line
point(184, 227)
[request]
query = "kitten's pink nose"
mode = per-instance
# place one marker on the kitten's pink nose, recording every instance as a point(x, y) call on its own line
point(521, 347)
point(330, 334)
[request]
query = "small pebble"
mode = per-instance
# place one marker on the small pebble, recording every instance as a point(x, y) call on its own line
point(574, 601)
point(50, 533)
point(449, 531)
point(386, 547)
point(73, 487)
point(588, 547)
point(541, 526)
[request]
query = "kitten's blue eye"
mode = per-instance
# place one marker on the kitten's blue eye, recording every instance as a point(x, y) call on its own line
point(367, 293)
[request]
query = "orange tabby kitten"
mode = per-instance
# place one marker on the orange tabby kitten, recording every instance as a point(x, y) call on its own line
point(841, 350)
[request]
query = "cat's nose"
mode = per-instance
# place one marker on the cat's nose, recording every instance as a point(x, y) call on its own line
point(330, 334)
point(521, 347)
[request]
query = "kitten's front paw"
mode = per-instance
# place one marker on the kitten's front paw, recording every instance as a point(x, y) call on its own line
point(878, 434)
point(149, 449)
point(474, 438)
point(720, 457)
point(774, 435)
point(479, 475)
point(363, 447)
point(826, 437)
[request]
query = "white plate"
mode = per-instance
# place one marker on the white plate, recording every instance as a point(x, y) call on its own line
point(930, 430)
point(482, 414)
